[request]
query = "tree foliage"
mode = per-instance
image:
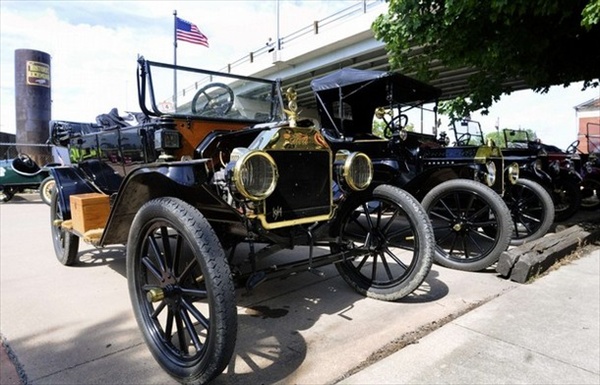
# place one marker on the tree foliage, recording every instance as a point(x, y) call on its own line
point(543, 42)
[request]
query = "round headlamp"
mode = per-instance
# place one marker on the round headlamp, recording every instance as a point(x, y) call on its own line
point(513, 172)
point(490, 175)
point(255, 175)
point(402, 134)
point(358, 171)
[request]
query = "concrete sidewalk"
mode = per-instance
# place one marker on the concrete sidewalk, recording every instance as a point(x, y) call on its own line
point(74, 325)
point(546, 332)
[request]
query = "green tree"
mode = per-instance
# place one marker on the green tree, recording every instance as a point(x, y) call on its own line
point(543, 42)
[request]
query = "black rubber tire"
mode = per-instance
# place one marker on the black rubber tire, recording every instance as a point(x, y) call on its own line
point(404, 264)
point(66, 244)
point(46, 188)
point(590, 188)
point(474, 216)
point(566, 196)
point(173, 248)
point(6, 194)
point(531, 209)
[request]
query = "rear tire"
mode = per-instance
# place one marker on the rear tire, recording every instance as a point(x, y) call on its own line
point(393, 237)
point(6, 194)
point(471, 223)
point(531, 209)
point(66, 244)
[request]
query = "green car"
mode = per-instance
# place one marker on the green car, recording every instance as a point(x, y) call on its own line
point(21, 173)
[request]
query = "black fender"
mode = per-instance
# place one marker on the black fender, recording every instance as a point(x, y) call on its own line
point(70, 181)
point(571, 176)
point(539, 176)
point(187, 181)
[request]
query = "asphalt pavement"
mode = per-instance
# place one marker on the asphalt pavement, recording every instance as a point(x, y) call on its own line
point(74, 325)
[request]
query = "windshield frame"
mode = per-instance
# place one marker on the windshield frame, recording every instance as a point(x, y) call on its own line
point(267, 108)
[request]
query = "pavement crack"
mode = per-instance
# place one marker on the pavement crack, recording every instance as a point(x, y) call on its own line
point(89, 361)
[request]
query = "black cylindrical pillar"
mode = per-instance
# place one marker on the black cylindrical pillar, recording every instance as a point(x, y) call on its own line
point(33, 103)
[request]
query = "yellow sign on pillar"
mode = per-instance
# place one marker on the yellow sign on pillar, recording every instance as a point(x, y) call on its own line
point(38, 74)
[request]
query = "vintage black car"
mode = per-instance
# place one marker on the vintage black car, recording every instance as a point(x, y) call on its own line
point(556, 170)
point(206, 184)
point(472, 223)
point(590, 168)
point(531, 205)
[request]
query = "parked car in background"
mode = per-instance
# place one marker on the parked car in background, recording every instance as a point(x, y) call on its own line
point(555, 169)
point(23, 173)
point(472, 223)
point(590, 169)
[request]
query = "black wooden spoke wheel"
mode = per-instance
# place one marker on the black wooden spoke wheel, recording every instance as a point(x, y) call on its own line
point(590, 191)
point(471, 223)
point(181, 290)
point(392, 241)
point(566, 196)
point(531, 209)
point(66, 244)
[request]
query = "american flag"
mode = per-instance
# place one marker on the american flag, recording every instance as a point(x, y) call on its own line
point(187, 31)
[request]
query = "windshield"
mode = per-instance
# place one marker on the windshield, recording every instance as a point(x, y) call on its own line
point(468, 133)
point(517, 138)
point(208, 94)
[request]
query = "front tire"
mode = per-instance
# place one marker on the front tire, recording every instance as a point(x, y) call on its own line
point(590, 189)
point(181, 290)
point(531, 209)
point(66, 244)
point(566, 196)
point(393, 237)
point(471, 223)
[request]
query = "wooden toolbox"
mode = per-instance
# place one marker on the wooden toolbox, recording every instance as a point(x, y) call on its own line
point(89, 211)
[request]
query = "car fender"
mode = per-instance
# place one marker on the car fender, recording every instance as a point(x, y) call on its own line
point(70, 181)
point(187, 181)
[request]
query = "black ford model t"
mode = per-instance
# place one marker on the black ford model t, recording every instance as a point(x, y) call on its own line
point(211, 167)
point(472, 223)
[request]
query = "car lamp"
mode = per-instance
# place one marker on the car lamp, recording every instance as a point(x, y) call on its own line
point(490, 175)
point(166, 139)
point(355, 169)
point(513, 172)
point(254, 173)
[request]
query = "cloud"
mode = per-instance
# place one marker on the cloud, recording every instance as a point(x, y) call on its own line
point(94, 44)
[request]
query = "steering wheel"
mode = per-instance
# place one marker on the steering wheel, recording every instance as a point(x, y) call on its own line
point(26, 160)
point(215, 97)
point(463, 139)
point(396, 123)
point(573, 147)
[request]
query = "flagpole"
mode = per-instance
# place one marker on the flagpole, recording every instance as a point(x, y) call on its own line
point(175, 60)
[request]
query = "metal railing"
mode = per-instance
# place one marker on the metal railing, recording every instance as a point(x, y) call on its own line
point(314, 29)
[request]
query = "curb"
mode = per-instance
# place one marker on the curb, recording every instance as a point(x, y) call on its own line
point(522, 263)
point(11, 372)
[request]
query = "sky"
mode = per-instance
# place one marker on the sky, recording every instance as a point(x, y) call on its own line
point(94, 46)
